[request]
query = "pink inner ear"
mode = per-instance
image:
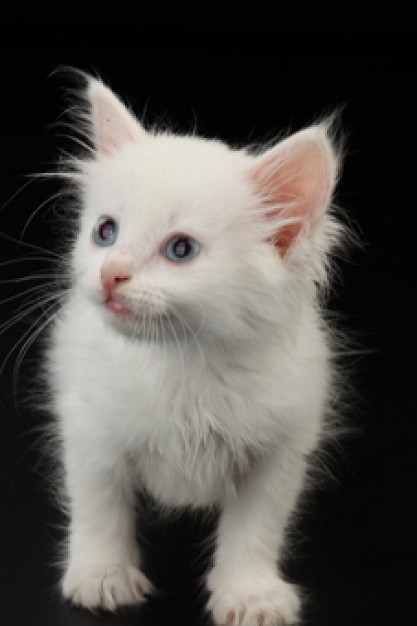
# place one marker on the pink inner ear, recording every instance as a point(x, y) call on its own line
point(285, 237)
point(296, 176)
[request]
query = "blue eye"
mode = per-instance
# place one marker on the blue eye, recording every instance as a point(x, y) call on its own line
point(181, 248)
point(105, 231)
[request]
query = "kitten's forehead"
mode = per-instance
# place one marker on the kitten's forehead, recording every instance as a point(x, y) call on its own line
point(192, 159)
point(168, 178)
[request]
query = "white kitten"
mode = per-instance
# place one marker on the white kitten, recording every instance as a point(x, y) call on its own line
point(190, 358)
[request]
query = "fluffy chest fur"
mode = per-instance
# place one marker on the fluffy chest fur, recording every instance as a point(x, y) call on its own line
point(189, 419)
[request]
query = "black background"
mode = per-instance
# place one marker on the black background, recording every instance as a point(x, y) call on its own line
point(356, 549)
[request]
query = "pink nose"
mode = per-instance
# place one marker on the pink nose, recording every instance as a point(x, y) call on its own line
point(115, 272)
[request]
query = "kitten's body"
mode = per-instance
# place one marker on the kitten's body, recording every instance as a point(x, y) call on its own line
point(205, 382)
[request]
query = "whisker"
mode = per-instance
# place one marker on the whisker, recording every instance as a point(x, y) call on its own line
point(161, 345)
point(145, 319)
point(27, 332)
point(181, 353)
point(16, 194)
point(21, 279)
point(66, 175)
point(36, 211)
point(153, 330)
point(28, 259)
point(32, 246)
point(28, 310)
point(46, 291)
point(156, 329)
point(137, 327)
point(148, 327)
point(31, 338)
point(194, 334)
point(146, 323)
point(17, 318)
point(22, 294)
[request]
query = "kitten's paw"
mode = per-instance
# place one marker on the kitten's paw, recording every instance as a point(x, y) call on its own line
point(272, 602)
point(105, 586)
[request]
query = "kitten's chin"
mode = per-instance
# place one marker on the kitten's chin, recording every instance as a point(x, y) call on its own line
point(130, 321)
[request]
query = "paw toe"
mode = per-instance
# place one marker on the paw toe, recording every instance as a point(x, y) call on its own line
point(105, 586)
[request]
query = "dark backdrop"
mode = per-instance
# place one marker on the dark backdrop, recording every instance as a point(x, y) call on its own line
point(356, 548)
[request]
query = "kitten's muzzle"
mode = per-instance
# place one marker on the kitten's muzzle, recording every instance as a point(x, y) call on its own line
point(115, 272)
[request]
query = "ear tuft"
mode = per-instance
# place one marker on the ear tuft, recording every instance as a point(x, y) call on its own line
point(113, 125)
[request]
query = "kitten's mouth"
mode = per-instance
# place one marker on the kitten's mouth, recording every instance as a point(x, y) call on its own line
point(121, 310)
point(118, 308)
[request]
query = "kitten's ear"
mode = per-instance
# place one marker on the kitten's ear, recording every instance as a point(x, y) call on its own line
point(296, 179)
point(113, 125)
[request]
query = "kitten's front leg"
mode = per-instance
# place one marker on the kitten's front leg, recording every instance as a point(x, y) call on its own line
point(245, 586)
point(103, 560)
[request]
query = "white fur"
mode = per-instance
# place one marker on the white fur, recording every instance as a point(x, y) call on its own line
point(218, 403)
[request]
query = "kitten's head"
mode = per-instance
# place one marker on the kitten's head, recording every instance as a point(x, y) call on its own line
point(179, 231)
